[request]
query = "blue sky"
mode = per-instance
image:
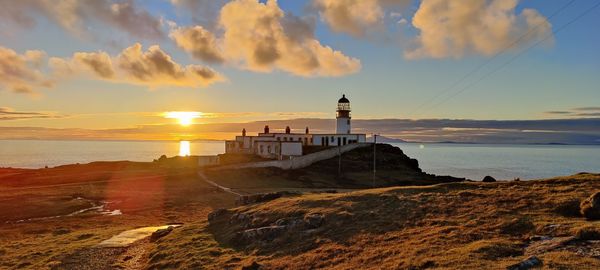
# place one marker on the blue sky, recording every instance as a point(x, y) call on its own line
point(560, 76)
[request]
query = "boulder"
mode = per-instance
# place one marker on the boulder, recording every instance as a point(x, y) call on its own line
point(529, 263)
point(160, 233)
point(217, 213)
point(252, 266)
point(590, 207)
point(517, 226)
point(313, 221)
point(488, 179)
point(588, 233)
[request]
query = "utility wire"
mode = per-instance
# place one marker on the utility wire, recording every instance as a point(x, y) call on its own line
point(581, 15)
point(482, 65)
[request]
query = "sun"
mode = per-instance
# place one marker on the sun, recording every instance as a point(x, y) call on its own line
point(184, 118)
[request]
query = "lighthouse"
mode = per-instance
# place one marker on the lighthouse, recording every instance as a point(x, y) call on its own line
point(343, 116)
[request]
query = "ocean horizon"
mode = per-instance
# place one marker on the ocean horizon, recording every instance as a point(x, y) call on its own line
point(472, 161)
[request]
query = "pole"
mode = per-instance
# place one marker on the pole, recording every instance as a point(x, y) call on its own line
point(374, 158)
point(339, 161)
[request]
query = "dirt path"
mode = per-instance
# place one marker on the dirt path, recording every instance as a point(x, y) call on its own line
point(226, 189)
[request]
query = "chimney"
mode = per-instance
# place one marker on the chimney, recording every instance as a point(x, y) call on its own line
point(267, 129)
point(287, 130)
point(244, 132)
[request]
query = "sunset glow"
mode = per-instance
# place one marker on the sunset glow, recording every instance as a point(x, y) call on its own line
point(184, 148)
point(184, 118)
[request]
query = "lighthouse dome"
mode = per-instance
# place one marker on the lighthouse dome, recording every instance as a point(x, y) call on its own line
point(343, 99)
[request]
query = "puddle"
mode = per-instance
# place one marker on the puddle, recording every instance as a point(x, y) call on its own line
point(98, 208)
point(127, 237)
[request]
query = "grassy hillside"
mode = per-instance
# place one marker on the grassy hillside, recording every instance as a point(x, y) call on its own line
point(356, 172)
point(471, 225)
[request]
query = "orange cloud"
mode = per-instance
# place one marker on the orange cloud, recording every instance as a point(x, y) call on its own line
point(453, 28)
point(199, 42)
point(20, 73)
point(150, 68)
point(354, 17)
point(260, 37)
point(72, 14)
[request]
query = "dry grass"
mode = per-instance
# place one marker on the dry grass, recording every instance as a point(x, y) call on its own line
point(446, 226)
point(147, 194)
point(471, 225)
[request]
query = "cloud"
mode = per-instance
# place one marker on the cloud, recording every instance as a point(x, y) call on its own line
point(150, 68)
point(259, 37)
point(354, 17)
point(567, 131)
point(20, 73)
point(75, 16)
point(558, 112)
point(592, 111)
point(10, 114)
point(453, 28)
point(199, 42)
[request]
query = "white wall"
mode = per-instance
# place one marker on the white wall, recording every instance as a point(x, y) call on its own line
point(343, 126)
point(291, 149)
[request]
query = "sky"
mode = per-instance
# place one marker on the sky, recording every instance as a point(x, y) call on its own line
point(109, 65)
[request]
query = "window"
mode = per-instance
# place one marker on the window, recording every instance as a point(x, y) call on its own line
point(331, 138)
point(269, 149)
point(344, 143)
point(278, 138)
point(285, 139)
point(348, 121)
point(299, 139)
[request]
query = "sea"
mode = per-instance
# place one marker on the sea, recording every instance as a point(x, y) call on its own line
point(472, 161)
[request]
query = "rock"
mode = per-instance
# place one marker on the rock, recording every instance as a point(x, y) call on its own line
point(239, 218)
point(262, 197)
point(590, 207)
point(289, 222)
point(160, 233)
point(252, 266)
point(546, 245)
point(263, 233)
point(488, 179)
point(217, 213)
point(517, 226)
point(313, 221)
point(529, 263)
point(588, 233)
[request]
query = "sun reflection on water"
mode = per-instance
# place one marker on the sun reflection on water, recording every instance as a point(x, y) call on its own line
point(184, 148)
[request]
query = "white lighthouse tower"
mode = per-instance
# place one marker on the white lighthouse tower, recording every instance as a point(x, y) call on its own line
point(343, 116)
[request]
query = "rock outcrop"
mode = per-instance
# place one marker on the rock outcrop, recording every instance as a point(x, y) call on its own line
point(590, 207)
point(488, 179)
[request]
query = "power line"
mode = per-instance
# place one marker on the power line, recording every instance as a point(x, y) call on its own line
point(485, 63)
point(581, 15)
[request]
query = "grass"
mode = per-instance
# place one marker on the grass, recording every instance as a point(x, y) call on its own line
point(443, 226)
point(146, 193)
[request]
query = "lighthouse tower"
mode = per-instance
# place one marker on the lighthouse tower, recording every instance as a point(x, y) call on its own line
point(343, 116)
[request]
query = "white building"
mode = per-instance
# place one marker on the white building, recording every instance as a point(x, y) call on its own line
point(287, 145)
